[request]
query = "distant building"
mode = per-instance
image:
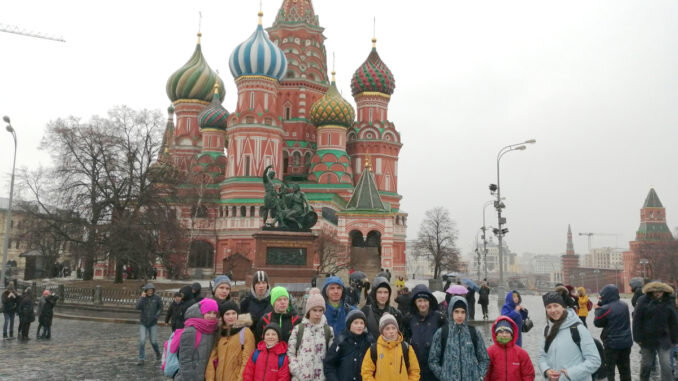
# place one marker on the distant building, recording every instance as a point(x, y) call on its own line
point(570, 261)
point(654, 253)
point(510, 259)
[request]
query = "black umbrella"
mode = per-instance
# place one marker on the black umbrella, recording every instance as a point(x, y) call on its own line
point(357, 276)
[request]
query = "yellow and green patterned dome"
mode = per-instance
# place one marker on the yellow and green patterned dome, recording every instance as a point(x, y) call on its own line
point(195, 80)
point(333, 109)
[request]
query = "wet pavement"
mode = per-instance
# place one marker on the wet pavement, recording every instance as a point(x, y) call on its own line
point(87, 350)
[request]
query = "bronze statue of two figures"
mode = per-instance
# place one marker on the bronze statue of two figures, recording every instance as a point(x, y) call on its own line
point(288, 206)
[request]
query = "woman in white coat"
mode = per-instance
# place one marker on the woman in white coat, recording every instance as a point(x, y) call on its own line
point(560, 357)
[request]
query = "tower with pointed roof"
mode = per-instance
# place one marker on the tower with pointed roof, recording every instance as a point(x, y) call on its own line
point(654, 252)
point(570, 261)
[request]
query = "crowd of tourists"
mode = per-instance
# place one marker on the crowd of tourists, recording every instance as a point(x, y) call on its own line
point(263, 337)
point(23, 305)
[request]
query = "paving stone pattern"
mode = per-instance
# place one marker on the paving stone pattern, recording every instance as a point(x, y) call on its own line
point(87, 350)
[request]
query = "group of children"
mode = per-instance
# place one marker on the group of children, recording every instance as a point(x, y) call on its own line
point(220, 341)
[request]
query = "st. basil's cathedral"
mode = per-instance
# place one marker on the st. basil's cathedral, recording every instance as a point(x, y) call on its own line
point(291, 116)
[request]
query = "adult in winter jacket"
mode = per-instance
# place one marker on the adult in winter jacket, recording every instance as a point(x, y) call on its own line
point(10, 301)
point(421, 324)
point(234, 346)
point(471, 300)
point(379, 299)
point(187, 301)
point(336, 307)
point(389, 362)
point(508, 362)
point(26, 313)
point(196, 292)
point(613, 316)
point(258, 302)
point(45, 314)
point(513, 309)
point(269, 362)
point(560, 358)
point(196, 340)
point(150, 306)
point(345, 357)
point(655, 328)
point(283, 315)
point(484, 298)
point(404, 301)
point(583, 301)
point(637, 289)
point(460, 358)
point(309, 342)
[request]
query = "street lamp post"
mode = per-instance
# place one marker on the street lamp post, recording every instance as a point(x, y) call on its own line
point(499, 205)
point(8, 217)
point(484, 229)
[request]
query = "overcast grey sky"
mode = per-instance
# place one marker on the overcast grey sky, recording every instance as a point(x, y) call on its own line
point(594, 82)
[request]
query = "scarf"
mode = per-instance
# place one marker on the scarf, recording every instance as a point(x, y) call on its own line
point(201, 326)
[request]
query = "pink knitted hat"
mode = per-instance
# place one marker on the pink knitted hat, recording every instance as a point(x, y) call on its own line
point(45, 293)
point(315, 300)
point(208, 305)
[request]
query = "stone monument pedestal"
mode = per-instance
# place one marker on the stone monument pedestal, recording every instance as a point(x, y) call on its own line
point(287, 257)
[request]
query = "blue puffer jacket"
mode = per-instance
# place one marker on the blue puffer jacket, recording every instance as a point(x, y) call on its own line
point(419, 330)
point(564, 354)
point(509, 309)
point(336, 316)
point(614, 317)
point(460, 363)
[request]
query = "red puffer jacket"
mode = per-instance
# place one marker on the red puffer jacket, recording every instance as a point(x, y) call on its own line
point(267, 366)
point(508, 362)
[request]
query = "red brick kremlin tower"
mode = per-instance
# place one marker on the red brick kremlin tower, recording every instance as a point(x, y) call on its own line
point(654, 253)
point(290, 116)
point(570, 261)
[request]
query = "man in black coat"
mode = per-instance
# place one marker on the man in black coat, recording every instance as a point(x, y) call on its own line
point(150, 306)
point(10, 301)
point(404, 300)
point(26, 313)
point(45, 314)
point(655, 328)
point(613, 316)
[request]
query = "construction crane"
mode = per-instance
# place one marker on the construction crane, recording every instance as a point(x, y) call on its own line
point(23, 32)
point(589, 235)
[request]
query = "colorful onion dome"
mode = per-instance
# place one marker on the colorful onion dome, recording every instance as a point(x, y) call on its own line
point(373, 75)
point(258, 56)
point(214, 115)
point(195, 80)
point(332, 108)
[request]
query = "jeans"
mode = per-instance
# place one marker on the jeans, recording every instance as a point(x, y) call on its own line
point(621, 359)
point(46, 331)
point(152, 333)
point(9, 319)
point(647, 358)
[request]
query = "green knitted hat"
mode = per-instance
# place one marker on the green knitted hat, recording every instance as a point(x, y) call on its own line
point(277, 292)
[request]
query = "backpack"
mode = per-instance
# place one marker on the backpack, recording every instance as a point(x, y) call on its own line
point(600, 373)
point(406, 355)
point(446, 333)
point(300, 335)
point(281, 358)
point(589, 305)
point(170, 361)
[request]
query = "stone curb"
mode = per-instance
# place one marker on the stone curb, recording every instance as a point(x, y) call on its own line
point(99, 319)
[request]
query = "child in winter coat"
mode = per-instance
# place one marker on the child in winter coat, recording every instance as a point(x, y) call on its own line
point(461, 356)
point(174, 312)
point(269, 361)
point(45, 314)
point(345, 356)
point(508, 362)
point(390, 364)
point(513, 309)
point(195, 342)
point(282, 314)
point(233, 347)
point(309, 342)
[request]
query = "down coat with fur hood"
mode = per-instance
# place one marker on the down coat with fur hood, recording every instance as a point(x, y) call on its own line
point(654, 320)
point(229, 357)
point(307, 363)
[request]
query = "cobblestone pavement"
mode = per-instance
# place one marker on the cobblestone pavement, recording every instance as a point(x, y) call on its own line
point(81, 350)
point(86, 350)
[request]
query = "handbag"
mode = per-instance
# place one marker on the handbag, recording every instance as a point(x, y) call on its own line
point(527, 325)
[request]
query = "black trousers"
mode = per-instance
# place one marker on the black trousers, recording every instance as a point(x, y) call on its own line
point(24, 327)
point(621, 359)
point(484, 306)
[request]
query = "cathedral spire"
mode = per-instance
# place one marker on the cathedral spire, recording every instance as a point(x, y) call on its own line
point(296, 12)
point(653, 220)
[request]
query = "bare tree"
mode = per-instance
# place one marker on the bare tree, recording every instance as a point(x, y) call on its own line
point(329, 248)
point(437, 241)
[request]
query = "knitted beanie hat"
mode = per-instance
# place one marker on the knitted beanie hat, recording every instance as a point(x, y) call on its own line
point(354, 314)
point(273, 326)
point(314, 290)
point(385, 320)
point(553, 297)
point(503, 325)
point(229, 306)
point(459, 304)
point(45, 293)
point(277, 292)
point(260, 276)
point(208, 305)
point(315, 300)
point(220, 280)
